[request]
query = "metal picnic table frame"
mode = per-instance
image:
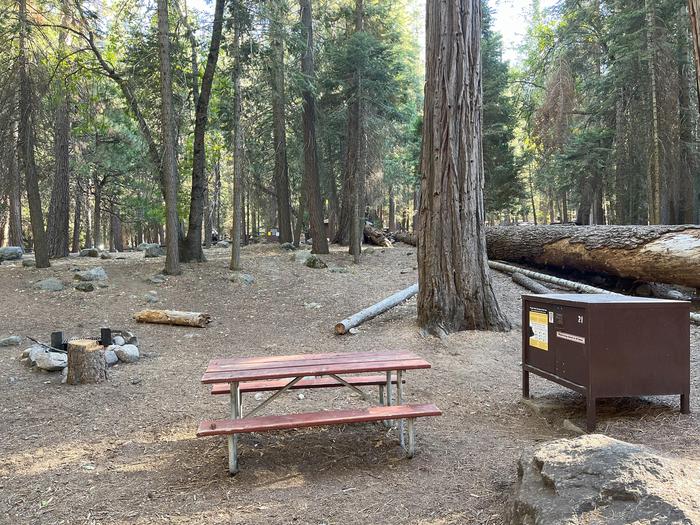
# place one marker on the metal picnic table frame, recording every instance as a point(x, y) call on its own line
point(238, 370)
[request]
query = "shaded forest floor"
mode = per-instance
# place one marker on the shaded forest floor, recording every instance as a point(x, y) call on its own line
point(125, 452)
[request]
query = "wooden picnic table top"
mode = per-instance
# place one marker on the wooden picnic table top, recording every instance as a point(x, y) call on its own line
point(276, 367)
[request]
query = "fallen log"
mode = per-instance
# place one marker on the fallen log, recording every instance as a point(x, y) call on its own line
point(530, 284)
point(564, 283)
point(376, 236)
point(665, 254)
point(668, 254)
point(376, 309)
point(173, 317)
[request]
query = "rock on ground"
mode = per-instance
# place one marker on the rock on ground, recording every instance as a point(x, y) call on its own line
point(127, 353)
point(85, 287)
point(118, 340)
point(93, 274)
point(29, 263)
point(12, 340)
point(595, 479)
point(153, 250)
point(301, 256)
point(11, 253)
point(242, 278)
point(51, 361)
point(222, 244)
point(157, 279)
point(151, 296)
point(89, 252)
point(111, 356)
point(288, 246)
point(314, 261)
point(105, 255)
point(50, 284)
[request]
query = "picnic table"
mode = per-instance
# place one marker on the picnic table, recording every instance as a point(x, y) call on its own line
point(279, 374)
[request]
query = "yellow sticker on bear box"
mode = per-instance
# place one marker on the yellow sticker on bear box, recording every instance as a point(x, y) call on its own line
point(539, 330)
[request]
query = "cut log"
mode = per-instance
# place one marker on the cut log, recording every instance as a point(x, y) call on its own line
point(86, 362)
point(668, 254)
point(173, 317)
point(406, 237)
point(665, 254)
point(530, 284)
point(375, 236)
point(376, 309)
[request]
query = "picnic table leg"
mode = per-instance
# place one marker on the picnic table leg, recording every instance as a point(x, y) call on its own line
point(399, 401)
point(411, 438)
point(388, 395)
point(381, 395)
point(233, 439)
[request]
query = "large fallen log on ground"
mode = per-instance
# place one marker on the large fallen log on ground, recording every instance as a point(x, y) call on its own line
point(666, 254)
point(375, 236)
point(373, 311)
point(175, 317)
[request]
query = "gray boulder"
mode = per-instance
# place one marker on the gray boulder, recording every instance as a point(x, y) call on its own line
point(118, 340)
point(12, 340)
point(29, 263)
point(301, 256)
point(93, 274)
point(32, 353)
point(314, 261)
point(111, 356)
point(51, 361)
point(11, 253)
point(127, 353)
point(288, 246)
point(222, 244)
point(50, 284)
point(599, 480)
point(105, 255)
point(85, 287)
point(89, 252)
point(154, 250)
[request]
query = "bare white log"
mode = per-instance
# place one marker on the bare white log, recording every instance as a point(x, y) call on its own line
point(376, 309)
point(564, 283)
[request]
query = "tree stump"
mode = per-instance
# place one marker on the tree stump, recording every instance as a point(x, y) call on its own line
point(86, 362)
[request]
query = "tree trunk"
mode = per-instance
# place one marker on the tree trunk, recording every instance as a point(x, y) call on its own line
point(392, 209)
point(86, 362)
point(237, 154)
point(15, 185)
point(192, 247)
point(311, 183)
point(116, 223)
point(693, 8)
point(279, 131)
point(654, 168)
point(59, 208)
point(75, 247)
point(453, 275)
point(169, 175)
point(26, 141)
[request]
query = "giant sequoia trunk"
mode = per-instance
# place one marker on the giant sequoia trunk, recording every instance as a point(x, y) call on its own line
point(312, 187)
point(454, 281)
point(192, 246)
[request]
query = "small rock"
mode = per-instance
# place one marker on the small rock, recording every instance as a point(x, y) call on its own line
point(568, 425)
point(111, 356)
point(242, 278)
point(105, 255)
point(11, 253)
point(300, 397)
point(127, 353)
point(222, 244)
point(409, 253)
point(85, 287)
point(151, 297)
point(368, 251)
point(312, 306)
point(93, 274)
point(64, 373)
point(314, 261)
point(12, 340)
point(339, 269)
point(89, 252)
point(288, 246)
point(158, 278)
point(135, 380)
point(50, 284)
point(353, 331)
point(405, 270)
point(52, 361)
point(154, 250)
point(118, 340)
point(29, 263)
point(259, 396)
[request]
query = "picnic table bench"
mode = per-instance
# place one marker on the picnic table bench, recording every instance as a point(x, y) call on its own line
point(281, 373)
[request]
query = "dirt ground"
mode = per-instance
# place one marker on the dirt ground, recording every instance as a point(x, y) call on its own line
point(125, 451)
